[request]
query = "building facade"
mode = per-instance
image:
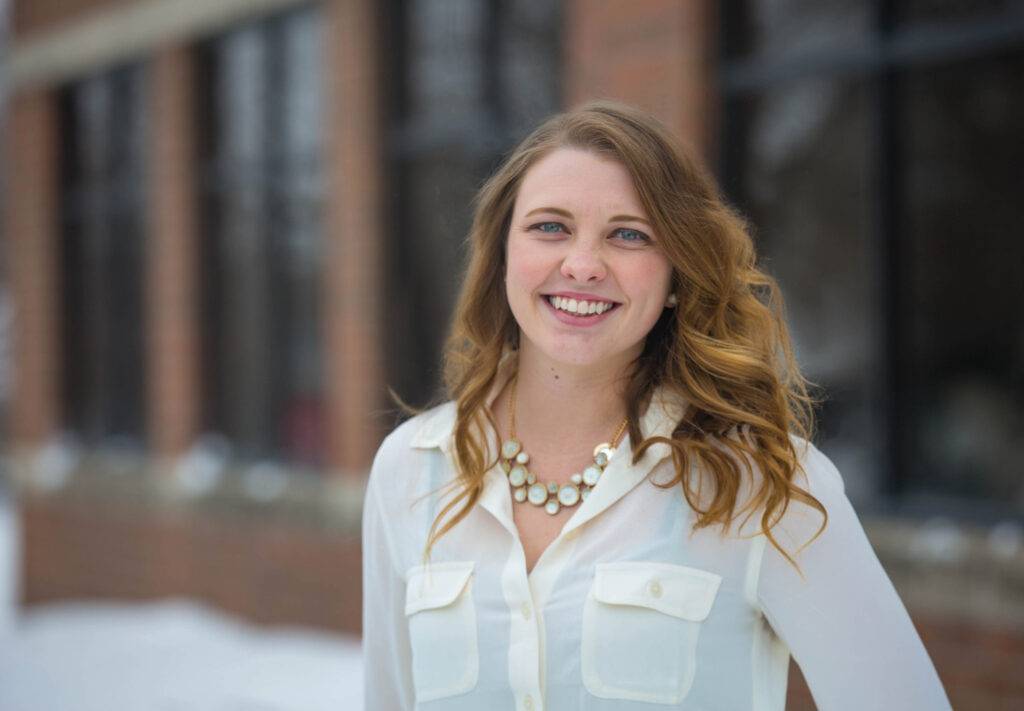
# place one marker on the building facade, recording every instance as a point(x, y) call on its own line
point(229, 228)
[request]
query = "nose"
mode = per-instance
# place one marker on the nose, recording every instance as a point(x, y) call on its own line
point(583, 263)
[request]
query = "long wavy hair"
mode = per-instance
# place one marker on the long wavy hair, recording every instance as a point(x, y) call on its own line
point(725, 347)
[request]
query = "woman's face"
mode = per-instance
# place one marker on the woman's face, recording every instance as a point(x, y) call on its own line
point(586, 279)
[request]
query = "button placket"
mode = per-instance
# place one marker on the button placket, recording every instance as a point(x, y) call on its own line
point(525, 665)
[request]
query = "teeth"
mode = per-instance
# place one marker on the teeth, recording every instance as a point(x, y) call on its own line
point(580, 307)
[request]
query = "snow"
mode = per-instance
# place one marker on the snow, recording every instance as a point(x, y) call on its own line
point(173, 655)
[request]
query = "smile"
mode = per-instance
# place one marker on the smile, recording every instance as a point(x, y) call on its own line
point(580, 307)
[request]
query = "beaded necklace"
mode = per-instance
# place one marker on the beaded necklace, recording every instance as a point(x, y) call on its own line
point(551, 496)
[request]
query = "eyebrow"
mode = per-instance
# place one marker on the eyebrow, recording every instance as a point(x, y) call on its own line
point(566, 213)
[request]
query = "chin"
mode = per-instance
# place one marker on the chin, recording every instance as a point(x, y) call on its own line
point(578, 355)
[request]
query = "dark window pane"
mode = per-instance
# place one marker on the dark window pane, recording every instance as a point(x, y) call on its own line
point(962, 220)
point(780, 27)
point(263, 199)
point(801, 155)
point(102, 224)
point(950, 11)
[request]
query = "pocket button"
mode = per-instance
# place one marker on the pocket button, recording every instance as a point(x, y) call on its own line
point(525, 610)
point(654, 588)
point(528, 703)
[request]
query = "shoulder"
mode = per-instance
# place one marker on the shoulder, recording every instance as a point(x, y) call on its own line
point(816, 469)
point(427, 430)
point(815, 474)
point(404, 450)
point(800, 521)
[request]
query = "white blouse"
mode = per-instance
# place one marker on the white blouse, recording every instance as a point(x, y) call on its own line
point(626, 609)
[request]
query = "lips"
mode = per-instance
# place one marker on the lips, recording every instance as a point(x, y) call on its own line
point(578, 309)
point(579, 306)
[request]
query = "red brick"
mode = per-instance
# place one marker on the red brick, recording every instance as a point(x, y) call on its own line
point(31, 230)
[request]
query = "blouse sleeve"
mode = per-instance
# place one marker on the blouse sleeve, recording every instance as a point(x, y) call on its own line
point(842, 619)
point(387, 657)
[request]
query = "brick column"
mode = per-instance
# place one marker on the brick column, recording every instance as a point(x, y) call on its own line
point(354, 235)
point(172, 283)
point(31, 229)
point(657, 54)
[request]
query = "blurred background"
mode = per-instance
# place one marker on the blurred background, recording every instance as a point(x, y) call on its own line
point(228, 227)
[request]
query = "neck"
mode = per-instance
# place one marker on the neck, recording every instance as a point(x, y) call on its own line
point(565, 402)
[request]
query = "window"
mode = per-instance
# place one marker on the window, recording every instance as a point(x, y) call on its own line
point(469, 80)
point(262, 197)
point(874, 147)
point(102, 256)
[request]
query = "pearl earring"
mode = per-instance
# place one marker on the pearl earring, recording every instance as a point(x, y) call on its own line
point(672, 301)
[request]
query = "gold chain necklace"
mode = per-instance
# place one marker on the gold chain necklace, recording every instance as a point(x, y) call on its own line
point(551, 496)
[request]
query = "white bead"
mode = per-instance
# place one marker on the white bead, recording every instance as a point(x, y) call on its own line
point(517, 477)
point(552, 507)
point(522, 457)
point(576, 479)
point(519, 494)
point(552, 487)
point(568, 495)
point(531, 478)
point(584, 493)
point(537, 494)
point(510, 448)
point(601, 458)
point(591, 474)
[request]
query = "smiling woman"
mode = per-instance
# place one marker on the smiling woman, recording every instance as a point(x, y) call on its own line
point(621, 505)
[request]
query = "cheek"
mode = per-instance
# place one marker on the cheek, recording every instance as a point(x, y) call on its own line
point(652, 279)
point(526, 270)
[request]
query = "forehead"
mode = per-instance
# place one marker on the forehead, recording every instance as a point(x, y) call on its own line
point(569, 177)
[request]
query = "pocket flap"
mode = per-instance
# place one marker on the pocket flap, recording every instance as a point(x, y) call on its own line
point(435, 585)
point(677, 590)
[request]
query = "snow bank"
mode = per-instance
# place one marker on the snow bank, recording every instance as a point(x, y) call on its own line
point(175, 655)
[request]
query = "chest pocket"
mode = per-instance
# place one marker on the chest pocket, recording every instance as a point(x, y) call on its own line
point(442, 629)
point(641, 622)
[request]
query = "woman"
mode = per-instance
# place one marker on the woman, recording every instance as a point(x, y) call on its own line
point(620, 507)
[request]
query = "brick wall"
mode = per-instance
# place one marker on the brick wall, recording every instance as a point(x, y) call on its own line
point(657, 54)
point(266, 571)
point(30, 232)
point(353, 265)
point(172, 266)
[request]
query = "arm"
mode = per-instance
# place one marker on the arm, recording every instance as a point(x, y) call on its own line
point(843, 621)
point(387, 658)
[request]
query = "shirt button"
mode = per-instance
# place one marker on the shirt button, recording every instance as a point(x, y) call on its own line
point(528, 702)
point(654, 588)
point(525, 609)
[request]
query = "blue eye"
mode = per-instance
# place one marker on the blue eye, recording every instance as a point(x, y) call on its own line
point(549, 227)
point(630, 235)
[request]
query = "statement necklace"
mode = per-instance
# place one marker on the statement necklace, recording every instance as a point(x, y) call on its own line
point(551, 496)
